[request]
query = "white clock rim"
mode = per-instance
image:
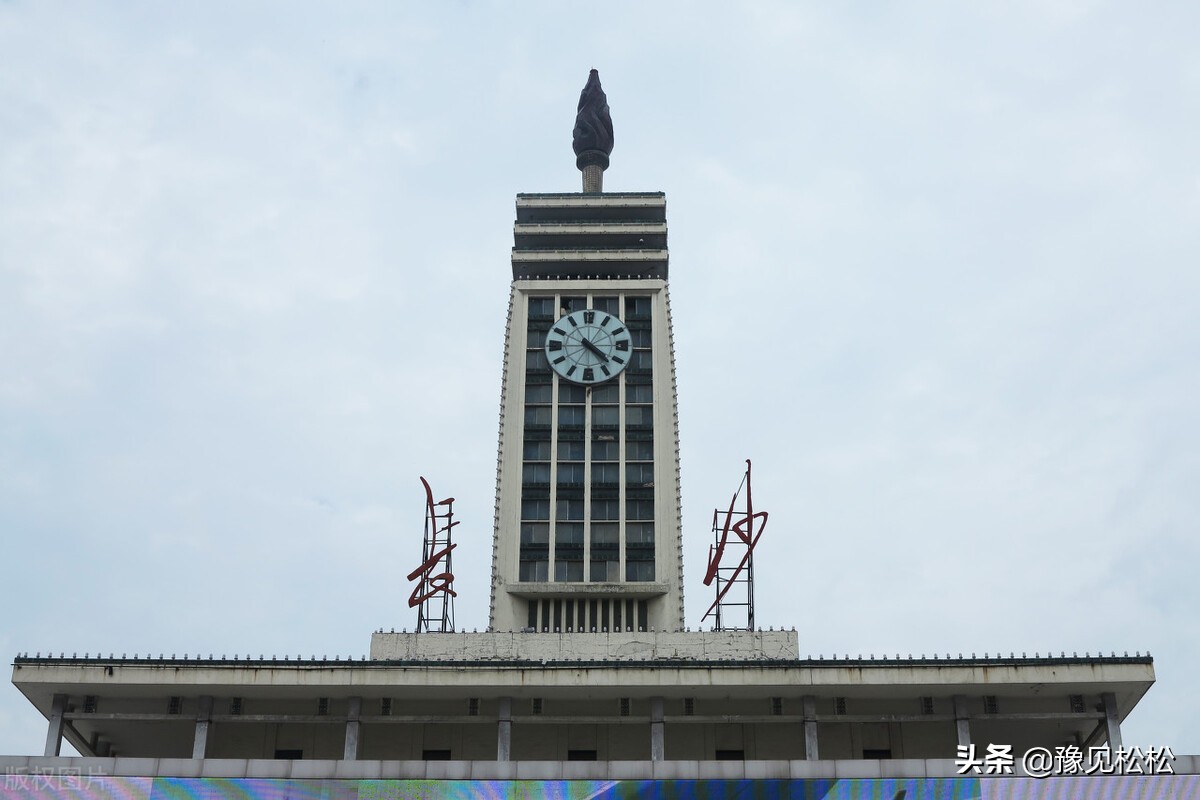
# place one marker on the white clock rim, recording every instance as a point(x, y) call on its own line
point(579, 381)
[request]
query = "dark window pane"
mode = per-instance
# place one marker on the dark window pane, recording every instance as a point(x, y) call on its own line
point(606, 416)
point(639, 416)
point(639, 570)
point(606, 451)
point(537, 415)
point(606, 473)
point(606, 395)
point(570, 509)
point(571, 416)
point(639, 474)
point(535, 473)
point(570, 474)
point(535, 509)
point(605, 571)
point(541, 308)
point(571, 393)
point(639, 393)
point(570, 451)
point(639, 509)
point(538, 394)
point(610, 305)
point(639, 451)
point(536, 451)
point(639, 533)
point(606, 509)
point(534, 570)
point(568, 533)
point(605, 534)
point(637, 307)
point(568, 570)
point(535, 533)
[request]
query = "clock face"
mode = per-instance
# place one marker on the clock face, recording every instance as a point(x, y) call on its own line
point(588, 346)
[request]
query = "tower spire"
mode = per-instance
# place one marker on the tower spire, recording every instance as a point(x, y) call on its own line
point(593, 134)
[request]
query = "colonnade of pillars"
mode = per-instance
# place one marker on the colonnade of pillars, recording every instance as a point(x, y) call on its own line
point(812, 752)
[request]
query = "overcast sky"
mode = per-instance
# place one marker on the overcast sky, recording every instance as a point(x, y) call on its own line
point(933, 268)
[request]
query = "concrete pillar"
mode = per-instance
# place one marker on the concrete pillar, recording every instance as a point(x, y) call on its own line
point(811, 751)
point(658, 745)
point(353, 710)
point(504, 731)
point(200, 742)
point(58, 707)
point(1112, 722)
point(962, 721)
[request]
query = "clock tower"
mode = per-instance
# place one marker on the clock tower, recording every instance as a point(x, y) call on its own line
point(587, 526)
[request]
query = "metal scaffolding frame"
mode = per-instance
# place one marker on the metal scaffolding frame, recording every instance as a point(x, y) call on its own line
point(433, 596)
point(734, 584)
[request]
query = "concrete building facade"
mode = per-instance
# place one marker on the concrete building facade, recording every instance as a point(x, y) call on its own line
point(679, 696)
point(587, 531)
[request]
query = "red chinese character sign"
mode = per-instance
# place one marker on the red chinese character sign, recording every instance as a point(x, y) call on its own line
point(433, 596)
point(731, 561)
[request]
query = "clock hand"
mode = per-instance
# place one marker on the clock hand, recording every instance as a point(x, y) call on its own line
point(588, 344)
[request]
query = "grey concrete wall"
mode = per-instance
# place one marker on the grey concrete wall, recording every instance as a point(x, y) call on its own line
point(651, 645)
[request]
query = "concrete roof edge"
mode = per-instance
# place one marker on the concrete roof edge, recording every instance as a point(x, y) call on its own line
point(807, 663)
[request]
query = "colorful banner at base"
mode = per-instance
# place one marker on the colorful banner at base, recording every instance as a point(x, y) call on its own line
point(100, 787)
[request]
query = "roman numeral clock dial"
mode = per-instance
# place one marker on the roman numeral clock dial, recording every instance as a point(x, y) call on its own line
point(588, 347)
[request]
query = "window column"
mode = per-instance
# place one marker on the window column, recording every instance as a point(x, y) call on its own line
point(638, 416)
point(537, 447)
point(605, 484)
point(569, 512)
